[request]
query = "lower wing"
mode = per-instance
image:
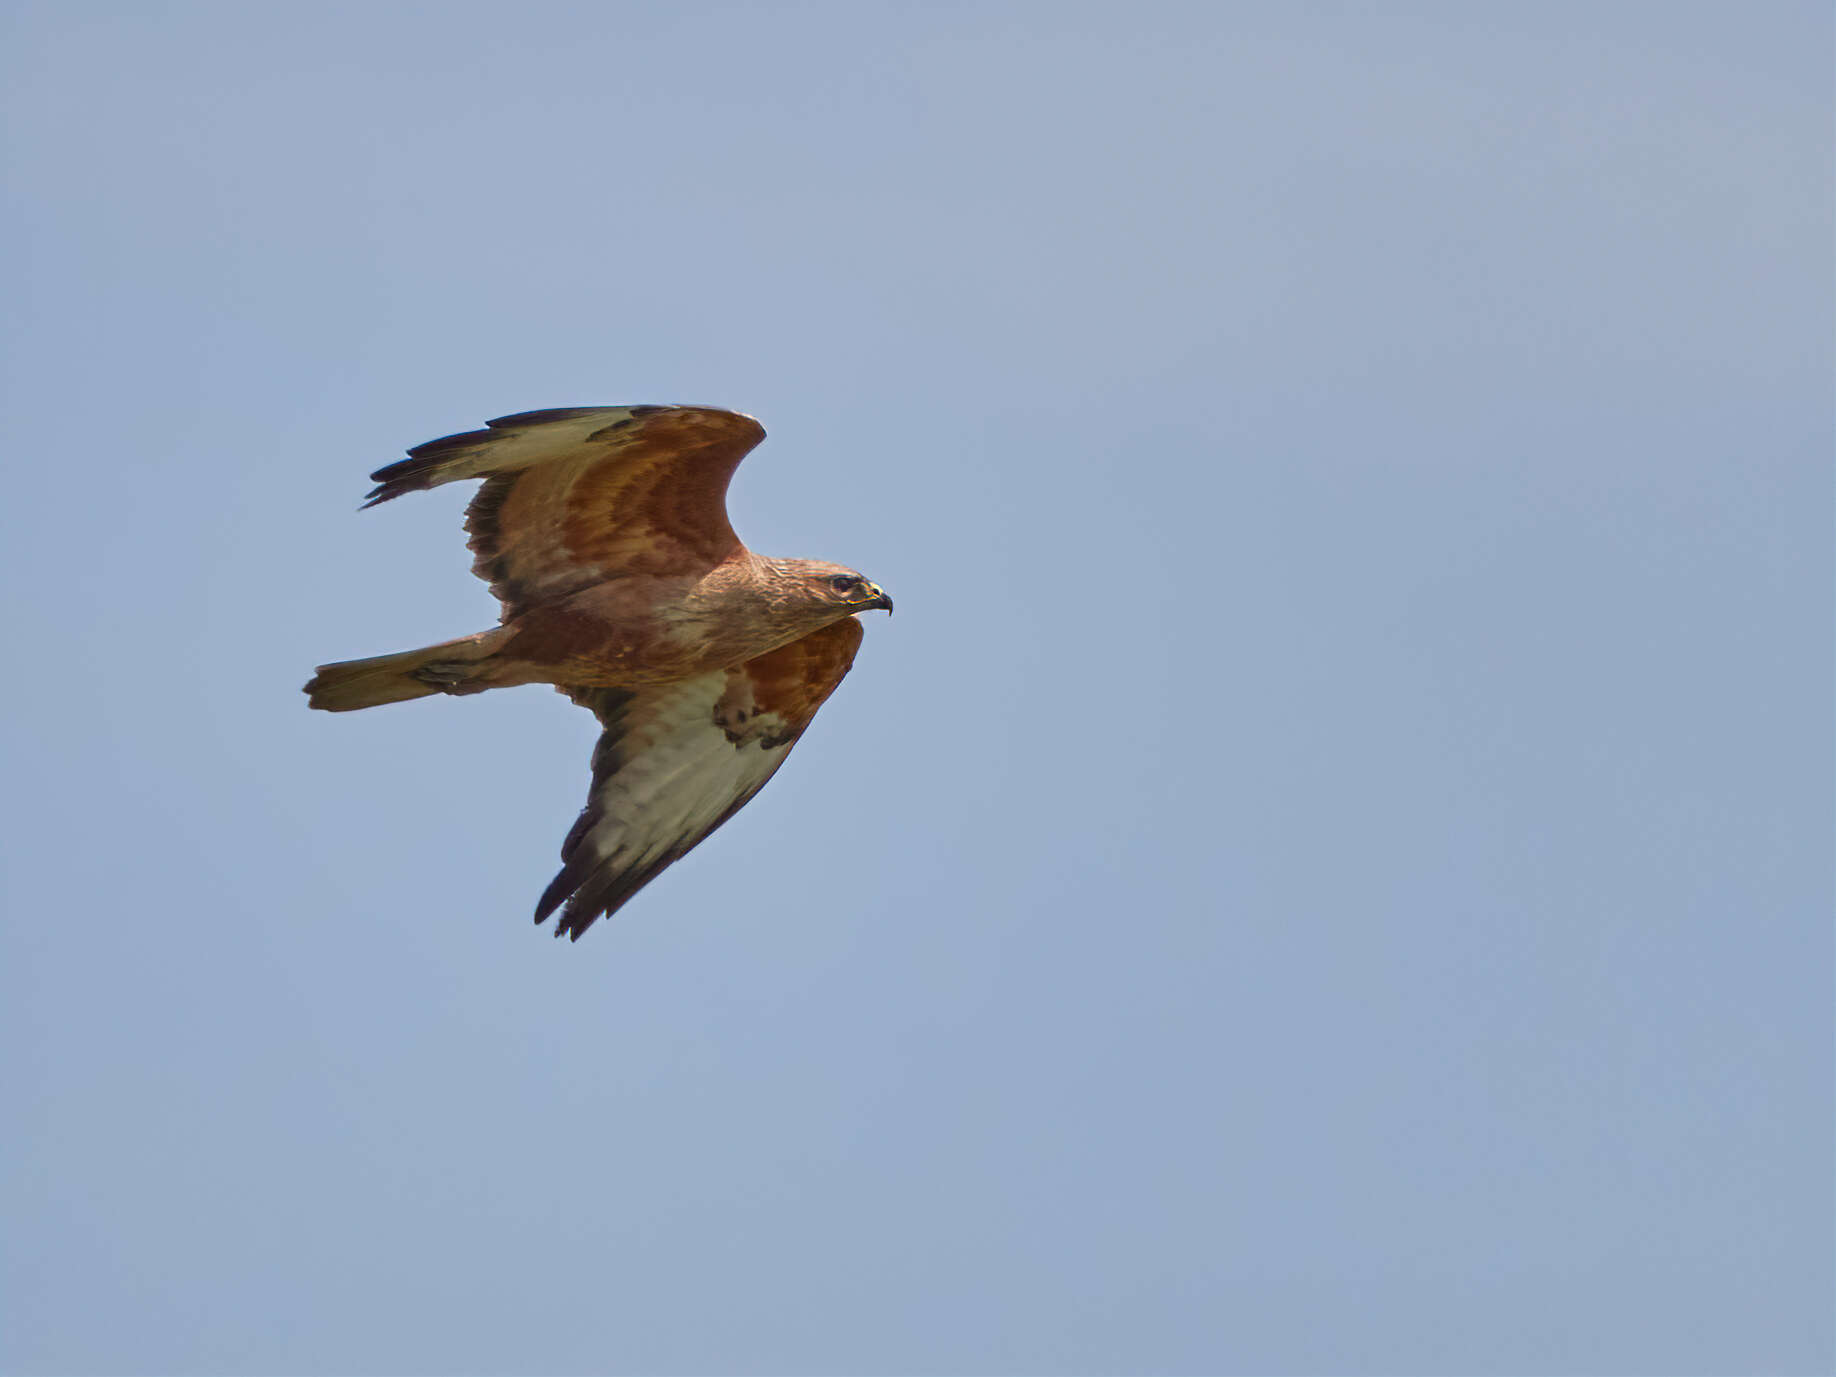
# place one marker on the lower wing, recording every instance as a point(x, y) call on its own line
point(678, 760)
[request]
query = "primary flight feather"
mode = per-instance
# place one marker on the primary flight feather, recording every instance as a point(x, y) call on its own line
point(603, 531)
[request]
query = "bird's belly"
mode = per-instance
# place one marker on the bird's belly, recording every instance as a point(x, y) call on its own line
point(575, 646)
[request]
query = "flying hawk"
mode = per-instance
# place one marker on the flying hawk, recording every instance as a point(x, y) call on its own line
point(603, 532)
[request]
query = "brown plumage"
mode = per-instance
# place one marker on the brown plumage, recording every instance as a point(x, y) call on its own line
point(603, 531)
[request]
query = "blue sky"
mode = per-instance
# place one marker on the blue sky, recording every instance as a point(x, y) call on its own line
point(1328, 871)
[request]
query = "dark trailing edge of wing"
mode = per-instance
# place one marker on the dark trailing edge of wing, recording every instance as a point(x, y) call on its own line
point(482, 518)
point(577, 863)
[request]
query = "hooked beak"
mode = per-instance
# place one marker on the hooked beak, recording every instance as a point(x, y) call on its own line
point(879, 599)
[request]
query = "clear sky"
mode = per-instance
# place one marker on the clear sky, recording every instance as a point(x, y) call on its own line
point(1328, 872)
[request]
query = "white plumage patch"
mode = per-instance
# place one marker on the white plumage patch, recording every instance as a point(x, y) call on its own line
point(506, 445)
point(665, 775)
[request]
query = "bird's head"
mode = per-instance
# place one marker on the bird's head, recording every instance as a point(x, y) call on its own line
point(816, 593)
point(833, 585)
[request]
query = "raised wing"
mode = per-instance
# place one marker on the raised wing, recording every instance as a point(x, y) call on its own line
point(578, 495)
point(677, 761)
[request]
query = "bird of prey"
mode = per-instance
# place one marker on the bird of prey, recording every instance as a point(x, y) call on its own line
point(603, 532)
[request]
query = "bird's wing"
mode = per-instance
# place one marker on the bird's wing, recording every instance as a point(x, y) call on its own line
point(677, 760)
point(578, 495)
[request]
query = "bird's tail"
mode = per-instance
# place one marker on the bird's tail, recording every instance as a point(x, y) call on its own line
point(450, 667)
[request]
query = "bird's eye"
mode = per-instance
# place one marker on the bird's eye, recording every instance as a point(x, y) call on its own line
point(844, 583)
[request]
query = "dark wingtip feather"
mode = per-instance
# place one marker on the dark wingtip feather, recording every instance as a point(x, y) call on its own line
point(405, 475)
point(589, 897)
point(555, 895)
